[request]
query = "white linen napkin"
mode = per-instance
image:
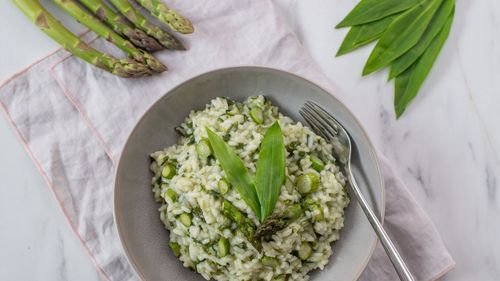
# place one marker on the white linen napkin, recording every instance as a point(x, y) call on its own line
point(73, 120)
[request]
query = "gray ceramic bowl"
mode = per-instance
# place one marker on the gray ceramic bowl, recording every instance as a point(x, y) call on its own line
point(137, 219)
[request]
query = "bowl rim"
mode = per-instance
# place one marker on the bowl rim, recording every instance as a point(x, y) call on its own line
point(117, 227)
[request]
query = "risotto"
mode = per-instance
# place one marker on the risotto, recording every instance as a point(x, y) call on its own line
point(194, 194)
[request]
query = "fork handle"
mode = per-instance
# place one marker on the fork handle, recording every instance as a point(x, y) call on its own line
point(396, 259)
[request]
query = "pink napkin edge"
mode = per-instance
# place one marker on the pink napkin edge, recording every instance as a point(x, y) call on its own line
point(444, 271)
point(37, 61)
point(35, 160)
point(452, 264)
point(51, 189)
point(65, 91)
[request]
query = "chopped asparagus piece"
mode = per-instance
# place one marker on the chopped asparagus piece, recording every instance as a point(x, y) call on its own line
point(185, 219)
point(275, 223)
point(316, 163)
point(313, 206)
point(308, 202)
point(170, 193)
point(293, 212)
point(307, 183)
point(244, 224)
point(223, 186)
point(257, 115)
point(318, 212)
point(168, 171)
point(269, 261)
point(233, 213)
point(305, 251)
point(203, 149)
point(176, 248)
point(223, 247)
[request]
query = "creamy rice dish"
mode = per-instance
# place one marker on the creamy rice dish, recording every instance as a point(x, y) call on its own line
point(213, 230)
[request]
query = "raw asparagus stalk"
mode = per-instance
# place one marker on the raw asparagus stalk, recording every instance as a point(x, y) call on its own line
point(121, 25)
point(245, 225)
point(55, 30)
point(166, 39)
point(168, 16)
point(94, 24)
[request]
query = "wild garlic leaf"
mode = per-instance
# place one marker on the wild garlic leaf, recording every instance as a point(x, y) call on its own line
point(360, 35)
point(270, 173)
point(402, 34)
point(410, 81)
point(372, 10)
point(236, 172)
point(435, 26)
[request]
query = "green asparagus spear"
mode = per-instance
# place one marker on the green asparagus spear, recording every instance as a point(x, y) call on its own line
point(77, 12)
point(55, 30)
point(314, 207)
point(121, 25)
point(275, 223)
point(245, 225)
point(166, 39)
point(168, 16)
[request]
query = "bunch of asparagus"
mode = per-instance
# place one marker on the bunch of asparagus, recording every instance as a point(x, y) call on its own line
point(127, 29)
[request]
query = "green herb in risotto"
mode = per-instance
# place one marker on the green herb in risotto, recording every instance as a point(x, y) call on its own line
point(232, 212)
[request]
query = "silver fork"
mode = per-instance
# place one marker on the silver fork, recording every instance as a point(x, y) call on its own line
point(324, 124)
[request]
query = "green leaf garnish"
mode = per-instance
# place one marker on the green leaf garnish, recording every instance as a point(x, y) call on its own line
point(372, 10)
point(407, 32)
point(236, 172)
point(262, 194)
point(403, 33)
point(435, 26)
point(360, 35)
point(270, 173)
point(410, 81)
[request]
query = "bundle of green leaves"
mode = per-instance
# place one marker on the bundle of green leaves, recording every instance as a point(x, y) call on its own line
point(261, 191)
point(410, 35)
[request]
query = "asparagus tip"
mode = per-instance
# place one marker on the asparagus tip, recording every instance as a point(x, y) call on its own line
point(143, 41)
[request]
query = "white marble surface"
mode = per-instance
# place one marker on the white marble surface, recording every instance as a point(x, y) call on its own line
point(446, 146)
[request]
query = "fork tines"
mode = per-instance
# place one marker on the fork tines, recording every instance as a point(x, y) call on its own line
point(320, 121)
